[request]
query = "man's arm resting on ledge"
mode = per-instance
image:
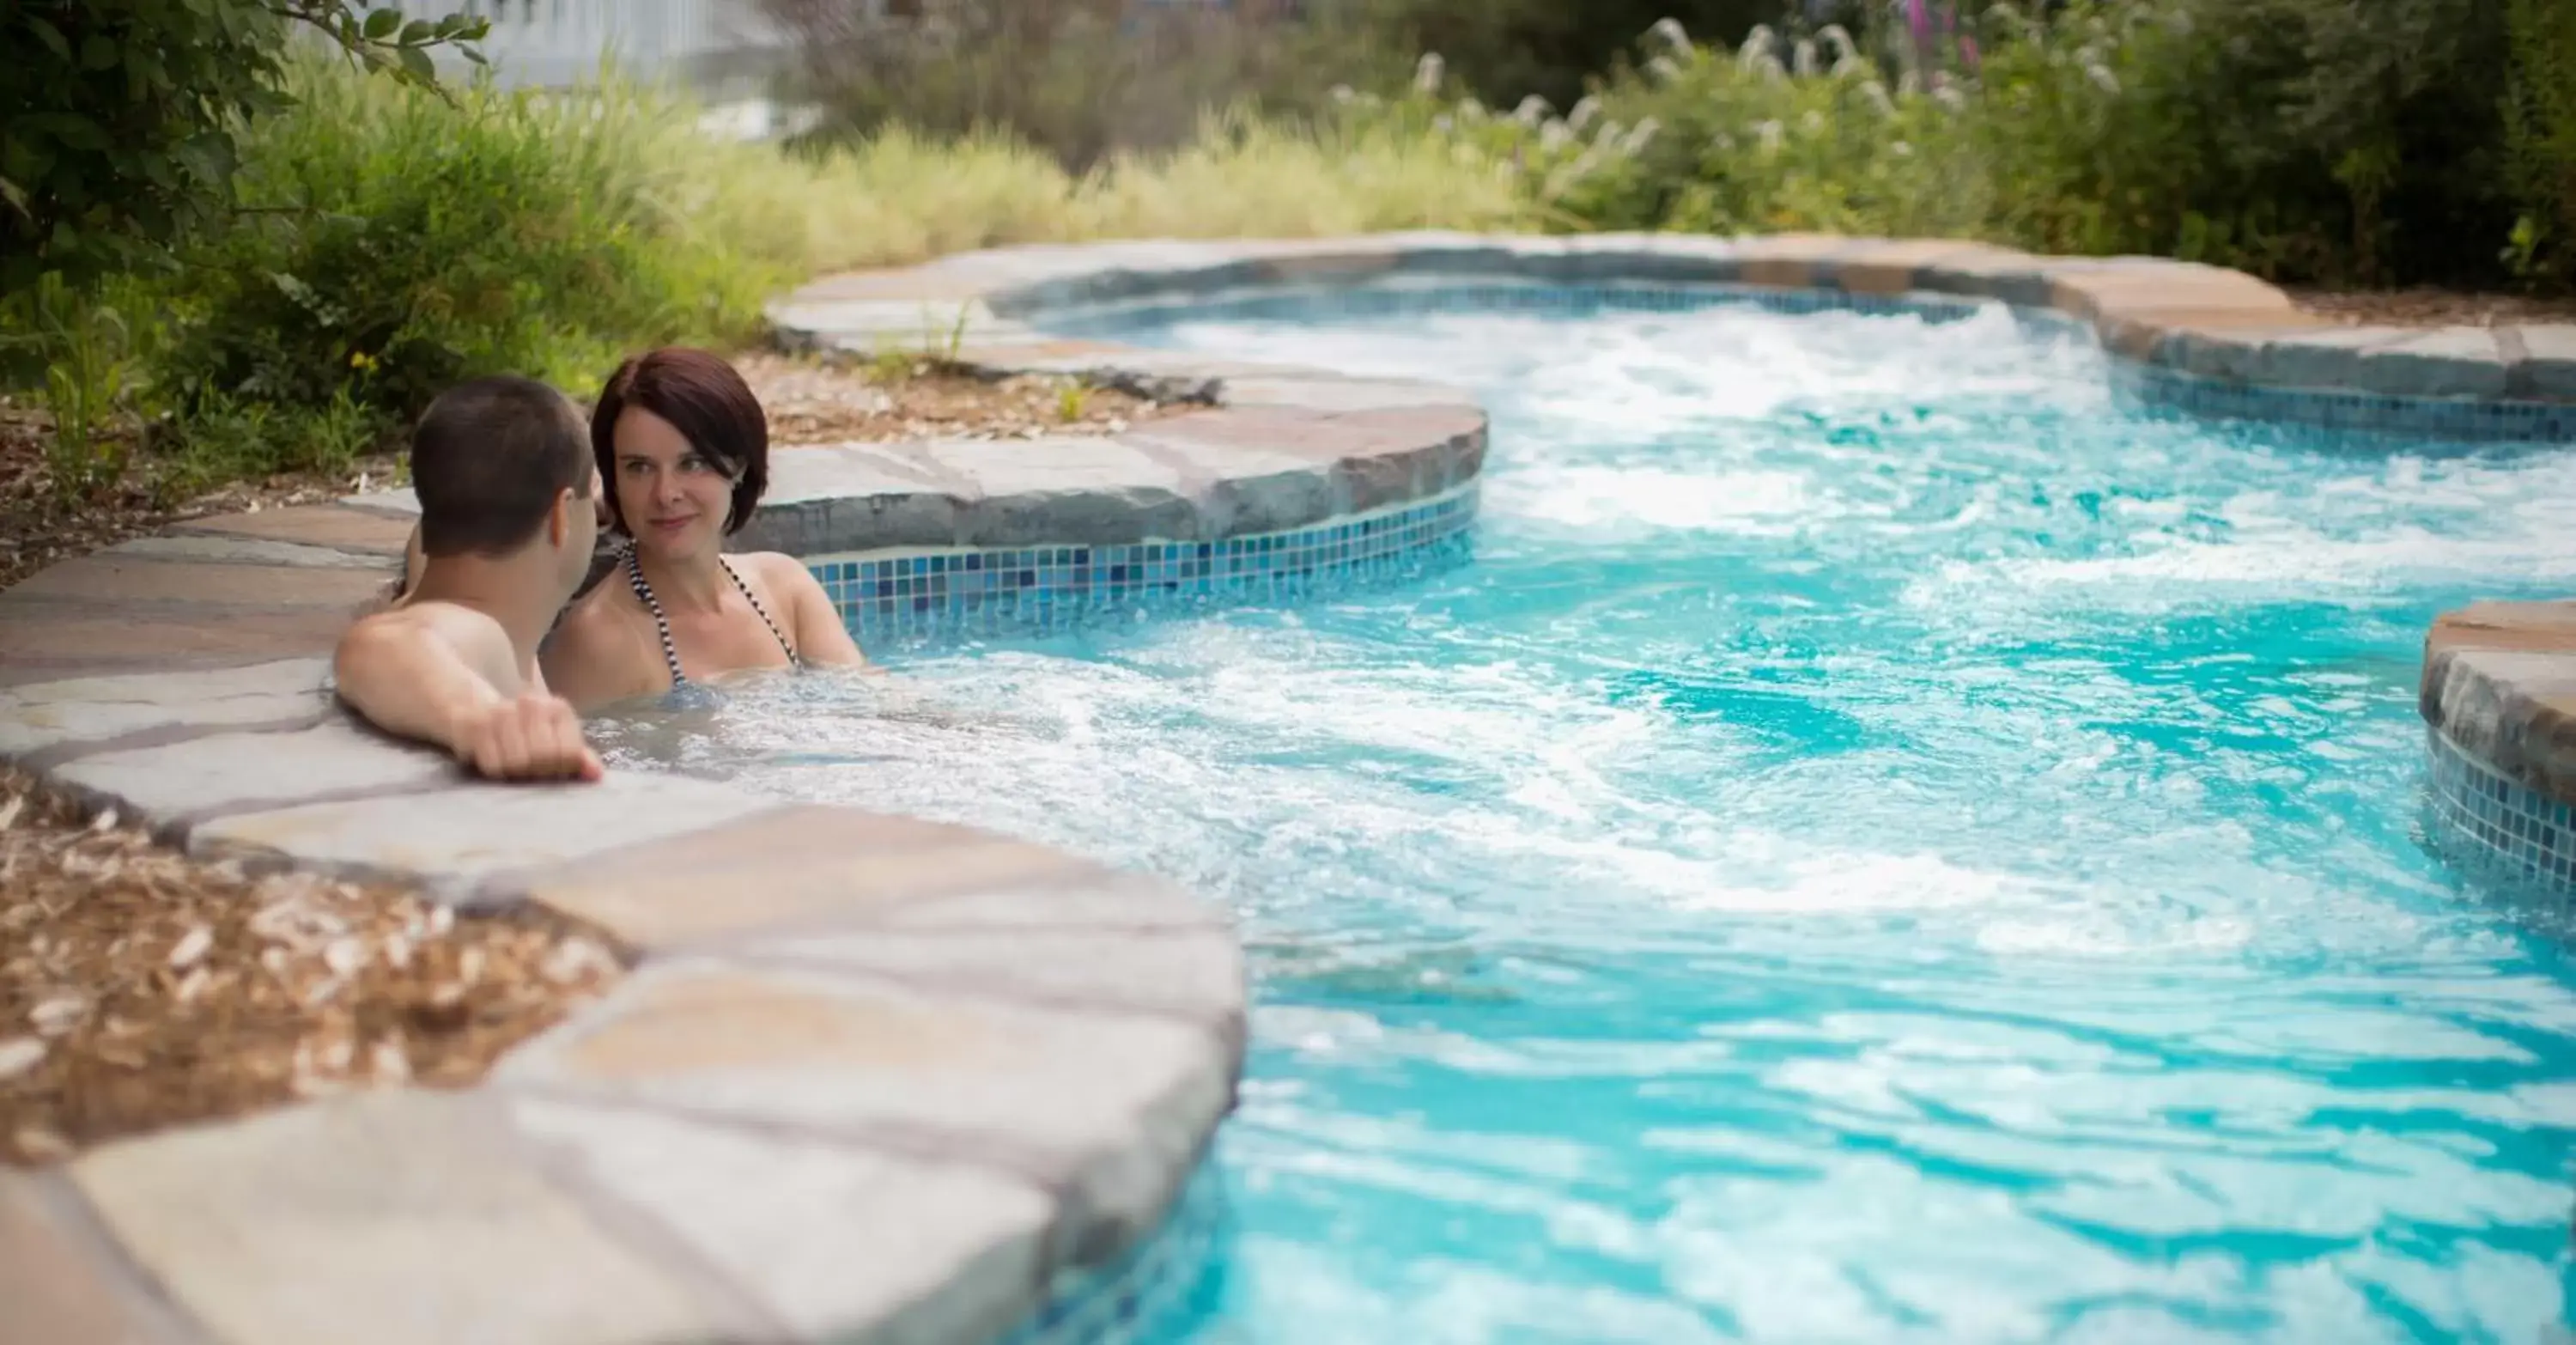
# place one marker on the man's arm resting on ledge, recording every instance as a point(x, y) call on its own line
point(436, 674)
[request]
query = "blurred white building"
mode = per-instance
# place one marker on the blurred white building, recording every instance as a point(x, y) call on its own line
point(716, 45)
point(721, 49)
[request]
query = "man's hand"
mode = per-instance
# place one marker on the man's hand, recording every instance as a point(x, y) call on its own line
point(532, 736)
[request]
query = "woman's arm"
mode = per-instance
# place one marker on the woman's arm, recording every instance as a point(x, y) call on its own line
point(821, 639)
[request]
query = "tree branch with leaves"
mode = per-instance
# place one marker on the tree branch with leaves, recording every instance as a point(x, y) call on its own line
point(119, 119)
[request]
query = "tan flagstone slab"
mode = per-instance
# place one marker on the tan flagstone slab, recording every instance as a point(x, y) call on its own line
point(213, 549)
point(1793, 261)
point(2513, 709)
point(328, 526)
point(53, 641)
point(130, 581)
point(1196, 974)
point(390, 1218)
point(804, 866)
point(178, 783)
point(2548, 366)
point(2200, 340)
point(471, 842)
point(2442, 362)
point(62, 1282)
point(51, 716)
point(1108, 1109)
point(803, 1226)
point(1893, 268)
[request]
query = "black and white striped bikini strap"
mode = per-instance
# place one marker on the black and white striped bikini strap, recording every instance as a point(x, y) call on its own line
point(661, 621)
point(754, 599)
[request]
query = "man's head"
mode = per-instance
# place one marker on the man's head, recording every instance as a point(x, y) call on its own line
point(502, 468)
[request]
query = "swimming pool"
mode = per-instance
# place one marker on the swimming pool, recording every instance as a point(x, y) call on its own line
point(1878, 844)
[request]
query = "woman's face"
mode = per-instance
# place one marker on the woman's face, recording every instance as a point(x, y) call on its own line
point(673, 498)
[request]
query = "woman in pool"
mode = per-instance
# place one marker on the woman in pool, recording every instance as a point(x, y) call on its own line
point(683, 453)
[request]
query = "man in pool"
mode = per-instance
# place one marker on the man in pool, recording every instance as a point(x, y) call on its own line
point(503, 470)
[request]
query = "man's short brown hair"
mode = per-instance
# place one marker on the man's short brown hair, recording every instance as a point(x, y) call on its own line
point(488, 459)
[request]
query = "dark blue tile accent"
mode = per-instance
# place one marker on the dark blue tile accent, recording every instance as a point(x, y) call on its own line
point(896, 598)
point(2445, 418)
point(2520, 831)
point(1147, 1294)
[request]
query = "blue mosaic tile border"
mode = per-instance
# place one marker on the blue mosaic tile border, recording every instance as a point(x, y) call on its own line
point(2515, 828)
point(2446, 418)
point(905, 596)
point(1435, 294)
point(1148, 1295)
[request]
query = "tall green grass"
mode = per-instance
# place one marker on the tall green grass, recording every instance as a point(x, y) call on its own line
point(898, 197)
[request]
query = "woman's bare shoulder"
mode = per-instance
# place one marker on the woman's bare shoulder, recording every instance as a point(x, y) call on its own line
point(592, 616)
point(775, 566)
point(594, 654)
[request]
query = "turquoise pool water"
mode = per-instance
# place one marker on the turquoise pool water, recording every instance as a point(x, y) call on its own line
point(1880, 844)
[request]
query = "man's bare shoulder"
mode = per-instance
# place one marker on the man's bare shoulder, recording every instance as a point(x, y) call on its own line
point(477, 639)
point(452, 622)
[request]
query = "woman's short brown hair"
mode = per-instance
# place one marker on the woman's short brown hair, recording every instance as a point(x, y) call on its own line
point(707, 402)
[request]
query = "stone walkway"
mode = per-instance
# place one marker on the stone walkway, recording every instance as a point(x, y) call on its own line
point(876, 1079)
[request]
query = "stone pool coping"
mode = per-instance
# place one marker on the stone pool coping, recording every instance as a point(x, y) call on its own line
point(875, 1078)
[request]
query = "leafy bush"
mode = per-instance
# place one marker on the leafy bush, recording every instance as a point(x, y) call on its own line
point(2541, 137)
point(2290, 137)
point(396, 240)
point(118, 120)
point(1709, 140)
point(1502, 51)
point(2287, 137)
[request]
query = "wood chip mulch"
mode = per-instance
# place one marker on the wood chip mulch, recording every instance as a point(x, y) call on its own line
point(38, 526)
point(2433, 308)
point(140, 989)
point(811, 402)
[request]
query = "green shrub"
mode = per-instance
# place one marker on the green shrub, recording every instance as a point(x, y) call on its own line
point(395, 241)
point(1502, 51)
point(118, 119)
point(2302, 139)
point(2297, 139)
point(1711, 140)
point(2540, 108)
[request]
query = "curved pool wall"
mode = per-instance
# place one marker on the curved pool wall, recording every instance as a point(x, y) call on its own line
point(2499, 702)
point(803, 1168)
point(2187, 339)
